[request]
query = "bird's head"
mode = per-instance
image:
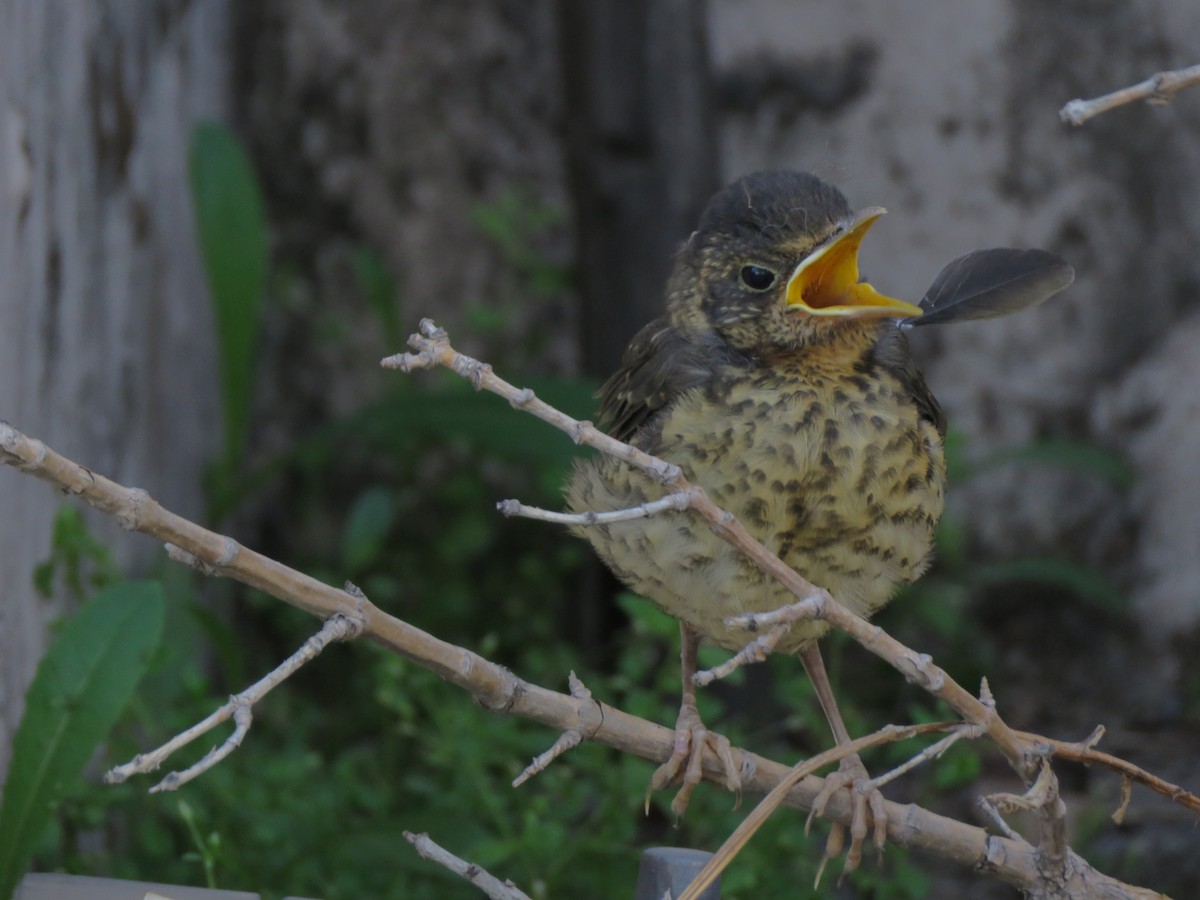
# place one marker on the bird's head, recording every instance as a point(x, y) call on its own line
point(774, 265)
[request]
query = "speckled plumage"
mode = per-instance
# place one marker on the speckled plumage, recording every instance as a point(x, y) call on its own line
point(818, 433)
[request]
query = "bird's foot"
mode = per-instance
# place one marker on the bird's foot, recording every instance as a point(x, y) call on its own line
point(870, 815)
point(685, 764)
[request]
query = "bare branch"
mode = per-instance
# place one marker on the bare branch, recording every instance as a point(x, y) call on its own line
point(432, 346)
point(337, 627)
point(1160, 88)
point(499, 690)
point(427, 848)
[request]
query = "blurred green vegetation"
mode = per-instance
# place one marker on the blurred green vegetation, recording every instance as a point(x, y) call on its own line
point(360, 746)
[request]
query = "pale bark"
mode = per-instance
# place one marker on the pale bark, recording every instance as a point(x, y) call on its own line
point(105, 327)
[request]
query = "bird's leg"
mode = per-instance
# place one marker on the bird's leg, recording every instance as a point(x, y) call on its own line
point(851, 774)
point(685, 764)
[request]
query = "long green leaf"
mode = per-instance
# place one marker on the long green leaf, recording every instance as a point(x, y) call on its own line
point(232, 227)
point(1051, 571)
point(82, 684)
point(1075, 456)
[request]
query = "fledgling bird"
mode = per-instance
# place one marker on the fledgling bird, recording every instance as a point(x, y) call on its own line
point(783, 385)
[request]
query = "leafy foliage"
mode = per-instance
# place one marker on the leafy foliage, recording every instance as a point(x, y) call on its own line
point(82, 684)
point(76, 557)
point(232, 227)
point(399, 496)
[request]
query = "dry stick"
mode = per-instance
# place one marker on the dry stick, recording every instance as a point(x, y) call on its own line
point(337, 627)
point(676, 502)
point(933, 751)
point(1160, 88)
point(496, 688)
point(477, 875)
point(759, 815)
point(569, 739)
point(1082, 752)
point(493, 686)
point(433, 348)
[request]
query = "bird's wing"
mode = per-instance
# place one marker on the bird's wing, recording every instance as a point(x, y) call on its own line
point(892, 353)
point(659, 365)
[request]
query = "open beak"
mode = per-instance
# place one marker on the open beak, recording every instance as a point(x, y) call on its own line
point(826, 283)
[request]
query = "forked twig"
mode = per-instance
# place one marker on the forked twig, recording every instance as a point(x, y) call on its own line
point(569, 738)
point(240, 708)
point(431, 347)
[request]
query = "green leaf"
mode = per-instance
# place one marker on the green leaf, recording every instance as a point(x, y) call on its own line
point(647, 618)
point(232, 227)
point(367, 527)
point(454, 411)
point(1076, 456)
point(1053, 571)
point(82, 684)
point(379, 288)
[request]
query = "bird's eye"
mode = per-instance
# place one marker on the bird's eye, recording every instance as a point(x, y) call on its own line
point(757, 278)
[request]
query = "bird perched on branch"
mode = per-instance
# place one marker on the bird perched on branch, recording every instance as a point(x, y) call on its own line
point(782, 384)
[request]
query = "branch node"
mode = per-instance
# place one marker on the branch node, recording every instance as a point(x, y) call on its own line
point(181, 556)
point(918, 669)
point(431, 330)
point(569, 738)
point(579, 430)
point(474, 371)
point(129, 516)
point(229, 552)
point(522, 398)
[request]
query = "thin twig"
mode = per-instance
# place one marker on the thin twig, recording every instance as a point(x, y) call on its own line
point(759, 815)
point(1158, 89)
point(337, 627)
point(1084, 752)
point(431, 346)
point(569, 739)
point(1118, 815)
point(994, 814)
point(674, 502)
point(754, 652)
point(933, 751)
point(429, 849)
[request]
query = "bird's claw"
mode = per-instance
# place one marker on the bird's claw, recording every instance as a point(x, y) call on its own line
point(686, 763)
point(869, 816)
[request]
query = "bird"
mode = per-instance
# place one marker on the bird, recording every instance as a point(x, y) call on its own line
point(782, 383)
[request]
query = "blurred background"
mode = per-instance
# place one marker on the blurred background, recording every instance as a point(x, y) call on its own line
point(218, 217)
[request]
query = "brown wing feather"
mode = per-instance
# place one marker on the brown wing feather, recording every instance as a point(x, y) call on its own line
point(659, 365)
